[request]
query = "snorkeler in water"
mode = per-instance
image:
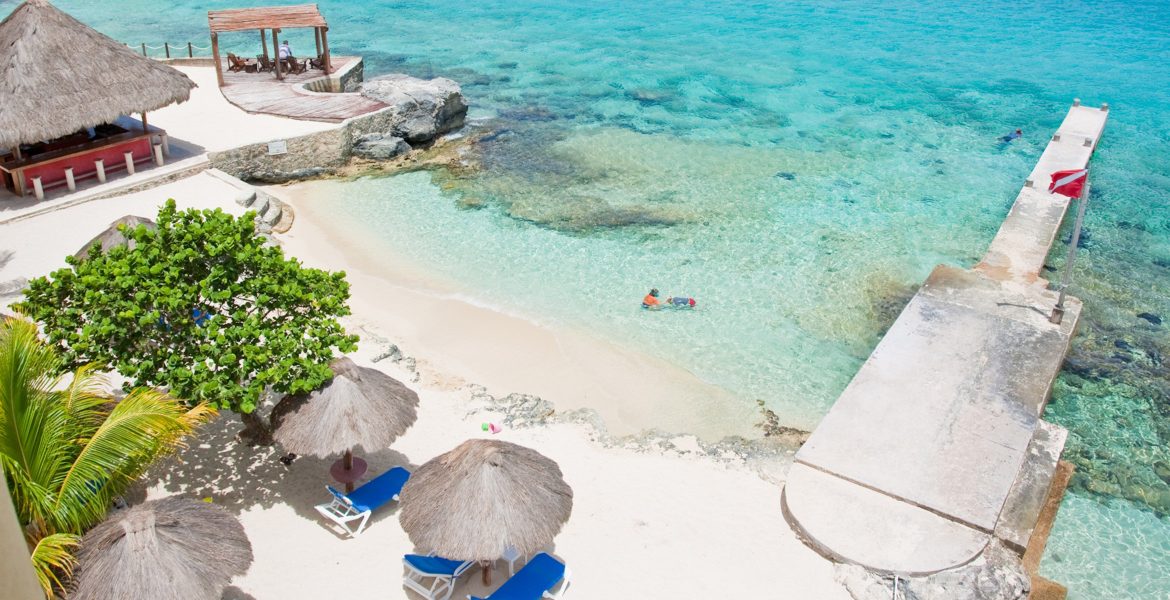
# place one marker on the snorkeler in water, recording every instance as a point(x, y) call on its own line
point(1013, 136)
point(651, 300)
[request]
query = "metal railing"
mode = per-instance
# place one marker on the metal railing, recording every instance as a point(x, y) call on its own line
point(173, 50)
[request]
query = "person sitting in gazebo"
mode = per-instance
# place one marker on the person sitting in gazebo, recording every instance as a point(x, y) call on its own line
point(286, 52)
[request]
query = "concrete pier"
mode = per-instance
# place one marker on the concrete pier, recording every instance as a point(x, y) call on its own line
point(937, 445)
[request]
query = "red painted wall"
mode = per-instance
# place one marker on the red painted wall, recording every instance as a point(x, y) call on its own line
point(53, 172)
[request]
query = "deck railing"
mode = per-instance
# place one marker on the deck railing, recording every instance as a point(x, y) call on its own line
point(169, 50)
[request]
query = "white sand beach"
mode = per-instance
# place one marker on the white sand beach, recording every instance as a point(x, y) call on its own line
point(653, 517)
point(648, 522)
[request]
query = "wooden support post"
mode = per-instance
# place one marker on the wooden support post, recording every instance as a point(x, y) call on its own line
point(100, 165)
point(129, 156)
point(276, 51)
point(158, 154)
point(18, 175)
point(38, 189)
point(325, 43)
point(16, 153)
point(264, 43)
point(70, 182)
point(145, 128)
point(190, 50)
point(215, 54)
point(317, 40)
point(167, 48)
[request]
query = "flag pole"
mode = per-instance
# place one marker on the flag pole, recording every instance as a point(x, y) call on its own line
point(1058, 311)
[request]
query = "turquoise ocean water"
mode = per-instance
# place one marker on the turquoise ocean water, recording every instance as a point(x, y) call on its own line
point(799, 167)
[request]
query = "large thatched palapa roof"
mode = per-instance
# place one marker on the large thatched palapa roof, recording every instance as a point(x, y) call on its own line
point(360, 406)
point(169, 549)
point(485, 495)
point(58, 75)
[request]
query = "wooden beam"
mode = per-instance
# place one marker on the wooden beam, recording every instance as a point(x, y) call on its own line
point(215, 53)
point(276, 50)
point(264, 43)
point(325, 43)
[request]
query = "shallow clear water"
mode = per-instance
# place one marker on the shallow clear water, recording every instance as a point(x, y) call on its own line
point(799, 168)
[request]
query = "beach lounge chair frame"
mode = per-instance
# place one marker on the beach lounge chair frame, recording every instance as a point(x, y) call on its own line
point(442, 572)
point(236, 63)
point(358, 505)
point(533, 581)
point(265, 63)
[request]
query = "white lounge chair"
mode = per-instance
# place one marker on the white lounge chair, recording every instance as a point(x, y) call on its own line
point(537, 579)
point(442, 573)
point(359, 504)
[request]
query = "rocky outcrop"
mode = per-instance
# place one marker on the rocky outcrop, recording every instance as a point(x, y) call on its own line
point(380, 146)
point(423, 109)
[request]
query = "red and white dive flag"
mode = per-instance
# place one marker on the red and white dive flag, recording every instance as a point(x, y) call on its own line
point(1069, 183)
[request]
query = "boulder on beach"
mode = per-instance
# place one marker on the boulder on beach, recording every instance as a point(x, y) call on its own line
point(425, 108)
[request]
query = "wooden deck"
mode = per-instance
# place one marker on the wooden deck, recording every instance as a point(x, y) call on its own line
point(265, 94)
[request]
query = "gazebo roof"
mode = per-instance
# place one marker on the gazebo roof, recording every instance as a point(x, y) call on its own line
point(265, 17)
point(58, 75)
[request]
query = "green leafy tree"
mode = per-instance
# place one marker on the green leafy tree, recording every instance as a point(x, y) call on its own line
point(67, 450)
point(201, 306)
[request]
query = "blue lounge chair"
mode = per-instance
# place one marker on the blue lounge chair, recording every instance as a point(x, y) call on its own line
point(535, 581)
point(359, 504)
point(443, 572)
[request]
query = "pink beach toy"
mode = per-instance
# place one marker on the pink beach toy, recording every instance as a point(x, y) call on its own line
point(492, 427)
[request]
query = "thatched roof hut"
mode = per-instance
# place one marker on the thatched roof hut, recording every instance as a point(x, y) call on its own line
point(485, 495)
point(58, 75)
point(360, 406)
point(113, 236)
point(169, 549)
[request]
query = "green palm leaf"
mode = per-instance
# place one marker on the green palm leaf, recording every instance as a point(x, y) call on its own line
point(53, 555)
point(67, 449)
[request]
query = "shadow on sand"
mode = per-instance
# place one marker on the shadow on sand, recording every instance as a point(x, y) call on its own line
point(238, 477)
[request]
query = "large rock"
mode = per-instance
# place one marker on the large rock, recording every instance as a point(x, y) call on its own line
point(380, 146)
point(424, 109)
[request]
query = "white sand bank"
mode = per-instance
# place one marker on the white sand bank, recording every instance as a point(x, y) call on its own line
point(209, 122)
point(631, 390)
point(39, 245)
point(644, 525)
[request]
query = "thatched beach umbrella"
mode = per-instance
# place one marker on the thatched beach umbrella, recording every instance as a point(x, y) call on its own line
point(169, 549)
point(475, 501)
point(113, 237)
point(360, 406)
point(60, 75)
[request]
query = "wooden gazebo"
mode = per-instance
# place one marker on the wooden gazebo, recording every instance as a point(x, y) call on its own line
point(273, 18)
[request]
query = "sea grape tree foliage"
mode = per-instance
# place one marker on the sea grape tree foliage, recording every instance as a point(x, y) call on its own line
point(202, 306)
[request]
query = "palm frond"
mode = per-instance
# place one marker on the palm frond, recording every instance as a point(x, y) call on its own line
point(52, 557)
point(31, 424)
point(144, 426)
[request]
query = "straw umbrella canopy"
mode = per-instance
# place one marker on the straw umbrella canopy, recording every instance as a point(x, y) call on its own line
point(112, 237)
point(58, 75)
point(360, 406)
point(169, 549)
point(475, 501)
